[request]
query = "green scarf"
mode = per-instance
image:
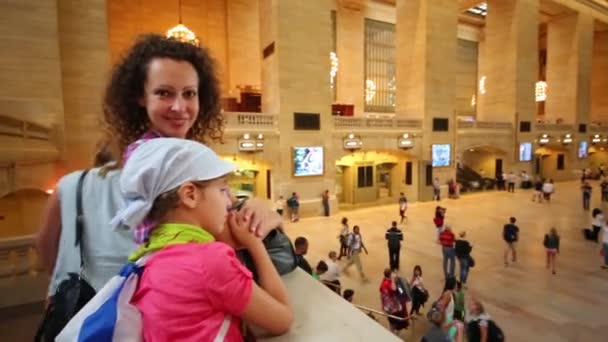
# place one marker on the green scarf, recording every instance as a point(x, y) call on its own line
point(168, 234)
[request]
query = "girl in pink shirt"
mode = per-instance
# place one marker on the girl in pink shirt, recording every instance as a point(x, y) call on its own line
point(193, 288)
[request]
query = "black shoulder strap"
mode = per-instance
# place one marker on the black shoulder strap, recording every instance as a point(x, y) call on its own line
point(80, 215)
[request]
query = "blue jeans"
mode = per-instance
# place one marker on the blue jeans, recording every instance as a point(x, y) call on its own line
point(605, 245)
point(448, 256)
point(464, 269)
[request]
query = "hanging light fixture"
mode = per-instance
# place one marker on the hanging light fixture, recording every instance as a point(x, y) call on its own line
point(181, 32)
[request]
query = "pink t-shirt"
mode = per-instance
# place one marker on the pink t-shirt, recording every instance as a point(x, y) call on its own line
point(186, 291)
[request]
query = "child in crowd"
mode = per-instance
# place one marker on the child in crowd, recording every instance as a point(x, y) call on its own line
point(419, 293)
point(459, 304)
point(280, 205)
point(320, 270)
point(439, 219)
point(190, 267)
point(551, 243)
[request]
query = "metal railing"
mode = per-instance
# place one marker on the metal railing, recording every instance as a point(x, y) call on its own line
point(18, 256)
point(360, 307)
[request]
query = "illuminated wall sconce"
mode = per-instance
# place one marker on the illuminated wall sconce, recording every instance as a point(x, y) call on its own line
point(482, 85)
point(596, 139)
point(406, 141)
point(567, 139)
point(544, 139)
point(247, 143)
point(352, 142)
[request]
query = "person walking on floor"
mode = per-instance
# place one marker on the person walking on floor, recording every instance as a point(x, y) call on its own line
point(355, 245)
point(604, 190)
point(439, 219)
point(551, 243)
point(548, 190)
point(394, 236)
point(344, 234)
point(325, 201)
point(280, 205)
point(598, 221)
point(586, 190)
point(294, 206)
point(436, 190)
point(419, 294)
point(402, 207)
point(446, 239)
point(511, 182)
point(463, 253)
point(538, 190)
point(605, 245)
point(510, 234)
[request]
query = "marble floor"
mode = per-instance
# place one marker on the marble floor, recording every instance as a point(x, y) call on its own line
point(525, 299)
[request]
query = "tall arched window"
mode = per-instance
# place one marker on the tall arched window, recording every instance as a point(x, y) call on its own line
point(379, 91)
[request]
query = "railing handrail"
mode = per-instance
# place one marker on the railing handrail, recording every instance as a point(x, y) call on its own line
point(382, 313)
point(17, 242)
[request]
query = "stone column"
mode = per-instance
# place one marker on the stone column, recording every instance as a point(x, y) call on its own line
point(350, 35)
point(83, 42)
point(295, 78)
point(599, 78)
point(510, 62)
point(569, 49)
point(243, 36)
point(426, 74)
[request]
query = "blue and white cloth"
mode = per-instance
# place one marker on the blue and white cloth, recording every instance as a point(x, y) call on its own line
point(109, 316)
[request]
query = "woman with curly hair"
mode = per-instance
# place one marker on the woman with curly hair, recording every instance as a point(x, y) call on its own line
point(161, 88)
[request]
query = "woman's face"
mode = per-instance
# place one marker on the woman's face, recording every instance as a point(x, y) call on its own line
point(171, 96)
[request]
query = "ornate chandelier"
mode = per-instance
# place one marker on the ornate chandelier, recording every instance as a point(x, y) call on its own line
point(181, 32)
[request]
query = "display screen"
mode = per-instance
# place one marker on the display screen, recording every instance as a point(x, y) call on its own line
point(441, 154)
point(583, 149)
point(525, 151)
point(308, 161)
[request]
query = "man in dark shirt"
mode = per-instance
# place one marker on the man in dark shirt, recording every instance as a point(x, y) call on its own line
point(510, 233)
point(463, 253)
point(394, 236)
point(301, 247)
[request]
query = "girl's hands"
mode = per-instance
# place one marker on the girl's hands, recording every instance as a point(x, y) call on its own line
point(258, 217)
point(240, 233)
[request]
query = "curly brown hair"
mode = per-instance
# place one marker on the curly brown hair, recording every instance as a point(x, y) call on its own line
point(127, 120)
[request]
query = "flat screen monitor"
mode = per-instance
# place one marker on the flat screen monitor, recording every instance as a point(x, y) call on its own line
point(525, 152)
point(441, 154)
point(307, 161)
point(583, 149)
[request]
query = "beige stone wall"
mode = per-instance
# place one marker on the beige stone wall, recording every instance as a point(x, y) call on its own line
point(569, 47)
point(510, 61)
point(484, 163)
point(466, 76)
point(21, 212)
point(350, 45)
point(572, 165)
point(207, 19)
point(599, 78)
point(244, 54)
point(84, 65)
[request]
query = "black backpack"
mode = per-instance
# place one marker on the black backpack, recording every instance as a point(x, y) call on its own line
point(495, 334)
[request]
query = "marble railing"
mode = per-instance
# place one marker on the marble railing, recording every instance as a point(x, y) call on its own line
point(350, 123)
point(10, 126)
point(549, 127)
point(18, 256)
point(485, 125)
point(319, 313)
point(250, 121)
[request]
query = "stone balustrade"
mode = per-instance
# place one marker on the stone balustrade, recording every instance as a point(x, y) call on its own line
point(598, 128)
point(503, 126)
point(357, 123)
point(18, 256)
point(12, 127)
point(250, 121)
point(551, 127)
